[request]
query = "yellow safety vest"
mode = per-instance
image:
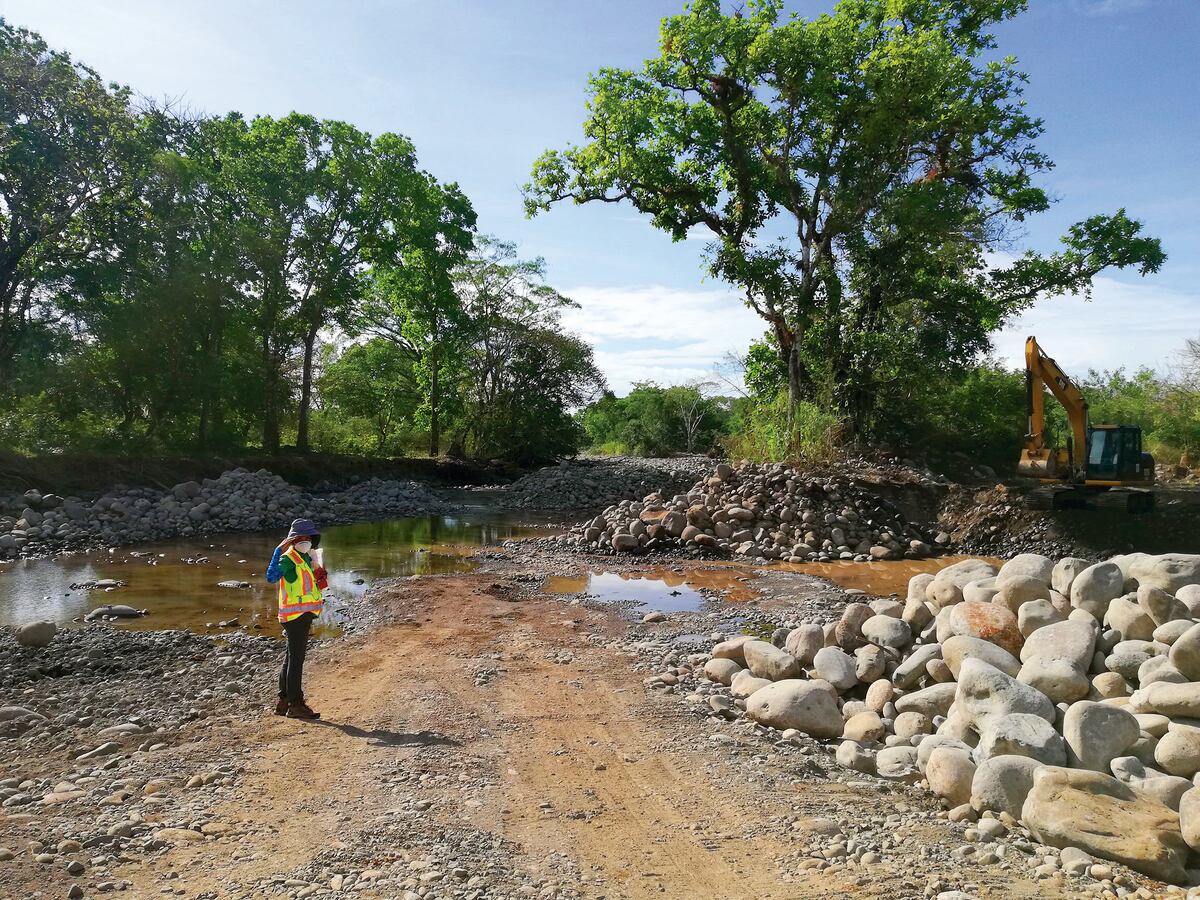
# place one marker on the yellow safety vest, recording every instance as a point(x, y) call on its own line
point(302, 595)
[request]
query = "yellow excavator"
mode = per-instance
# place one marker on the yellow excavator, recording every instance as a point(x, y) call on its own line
point(1102, 466)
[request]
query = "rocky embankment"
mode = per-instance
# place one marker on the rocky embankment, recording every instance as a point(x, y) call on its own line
point(592, 483)
point(1051, 704)
point(239, 500)
point(771, 512)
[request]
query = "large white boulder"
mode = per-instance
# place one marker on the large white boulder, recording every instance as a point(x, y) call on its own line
point(1026, 565)
point(804, 642)
point(1097, 586)
point(985, 693)
point(1097, 733)
point(962, 647)
point(1103, 817)
point(946, 589)
point(836, 667)
point(1002, 783)
point(1065, 571)
point(1022, 734)
point(809, 706)
point(1055, 660)
point(949, 773)
point(766, 660)
point(1167, 571)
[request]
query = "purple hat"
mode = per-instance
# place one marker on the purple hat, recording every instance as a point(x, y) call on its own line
point(304, 528)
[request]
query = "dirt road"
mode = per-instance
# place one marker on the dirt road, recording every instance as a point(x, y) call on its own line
point(552, 755)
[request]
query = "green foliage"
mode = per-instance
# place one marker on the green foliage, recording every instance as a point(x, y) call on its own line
point(765, 370)
point(374, 382)
point(761, 433)
point(181, 269)
point(519, 375)
point(980, 413)
point(855, 169)
point(1168, 410)
point(656, 421)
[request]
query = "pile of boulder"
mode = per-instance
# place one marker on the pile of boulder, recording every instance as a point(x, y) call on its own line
point(238, 500)
point(1065, 695)
point(772, 512)
point(592, 483)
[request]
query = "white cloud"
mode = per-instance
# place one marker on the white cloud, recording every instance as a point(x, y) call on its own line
point(1124, 325)
point(658, 333)
point(671, 336)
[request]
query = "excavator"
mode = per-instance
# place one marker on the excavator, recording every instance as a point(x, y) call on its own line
point(1102, 466)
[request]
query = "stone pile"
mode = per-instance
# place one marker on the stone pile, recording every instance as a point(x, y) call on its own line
point(592, 483)
point(1061, 695)
point(769, 512)
point(239, 500)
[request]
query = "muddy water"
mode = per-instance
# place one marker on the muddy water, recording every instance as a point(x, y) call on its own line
point(177, 581)
point(669, 590)
point(879, 579)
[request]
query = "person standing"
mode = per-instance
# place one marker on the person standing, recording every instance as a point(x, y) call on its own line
point(301, 582)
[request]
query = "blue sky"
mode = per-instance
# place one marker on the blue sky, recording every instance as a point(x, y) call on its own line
point(483, 87)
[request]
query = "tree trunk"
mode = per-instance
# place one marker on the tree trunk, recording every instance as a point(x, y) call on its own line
point(270, 424)
point(306, 390)
point(202, 426)
point(434, 424)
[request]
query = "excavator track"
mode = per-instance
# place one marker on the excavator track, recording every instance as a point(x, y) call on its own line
point(1054, 497)
point(1130, 500)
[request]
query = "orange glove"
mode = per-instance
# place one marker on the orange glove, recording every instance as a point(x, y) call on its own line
point(322, 578)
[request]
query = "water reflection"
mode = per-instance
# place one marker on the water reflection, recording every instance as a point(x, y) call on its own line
point(184, 594)
point(657, 589)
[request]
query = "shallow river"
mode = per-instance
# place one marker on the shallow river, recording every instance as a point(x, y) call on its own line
point(177, 581)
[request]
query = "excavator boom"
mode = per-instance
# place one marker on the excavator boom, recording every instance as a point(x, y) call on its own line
point(1038, 460)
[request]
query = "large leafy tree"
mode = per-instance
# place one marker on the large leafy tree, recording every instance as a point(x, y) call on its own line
point(856, 171)
point(69, 155)
point(425, 236)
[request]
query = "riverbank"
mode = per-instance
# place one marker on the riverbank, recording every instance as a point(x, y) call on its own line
point(481, 739)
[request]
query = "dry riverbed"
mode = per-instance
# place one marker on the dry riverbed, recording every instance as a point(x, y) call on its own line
point(481, 739)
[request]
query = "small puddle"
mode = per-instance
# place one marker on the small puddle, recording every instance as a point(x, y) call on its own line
point(177, 581)
point(879, 579)
point(661, 590)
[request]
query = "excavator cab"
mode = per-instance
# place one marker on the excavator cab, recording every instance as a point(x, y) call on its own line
point(1115, 454)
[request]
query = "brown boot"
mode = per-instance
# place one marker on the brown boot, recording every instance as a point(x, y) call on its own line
point(300, 710)
point(281, 706)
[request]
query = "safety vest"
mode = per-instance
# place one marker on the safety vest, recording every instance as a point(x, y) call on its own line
point(302, 595)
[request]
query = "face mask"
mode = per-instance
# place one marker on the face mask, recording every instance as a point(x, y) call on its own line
point(303, 546)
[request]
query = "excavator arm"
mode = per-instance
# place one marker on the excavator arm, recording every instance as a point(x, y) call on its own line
point(1037, 459)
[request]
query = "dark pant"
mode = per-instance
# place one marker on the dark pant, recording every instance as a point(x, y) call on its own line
point(296, 632)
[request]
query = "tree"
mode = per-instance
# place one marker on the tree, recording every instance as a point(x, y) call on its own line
point(373, 381)
point(68, 148)
point(691, 407)
point(656, 421)
point(520, 374)
point(411, 298)
point(855, 170)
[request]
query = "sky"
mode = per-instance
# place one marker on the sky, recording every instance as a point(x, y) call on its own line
point(485, 86)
